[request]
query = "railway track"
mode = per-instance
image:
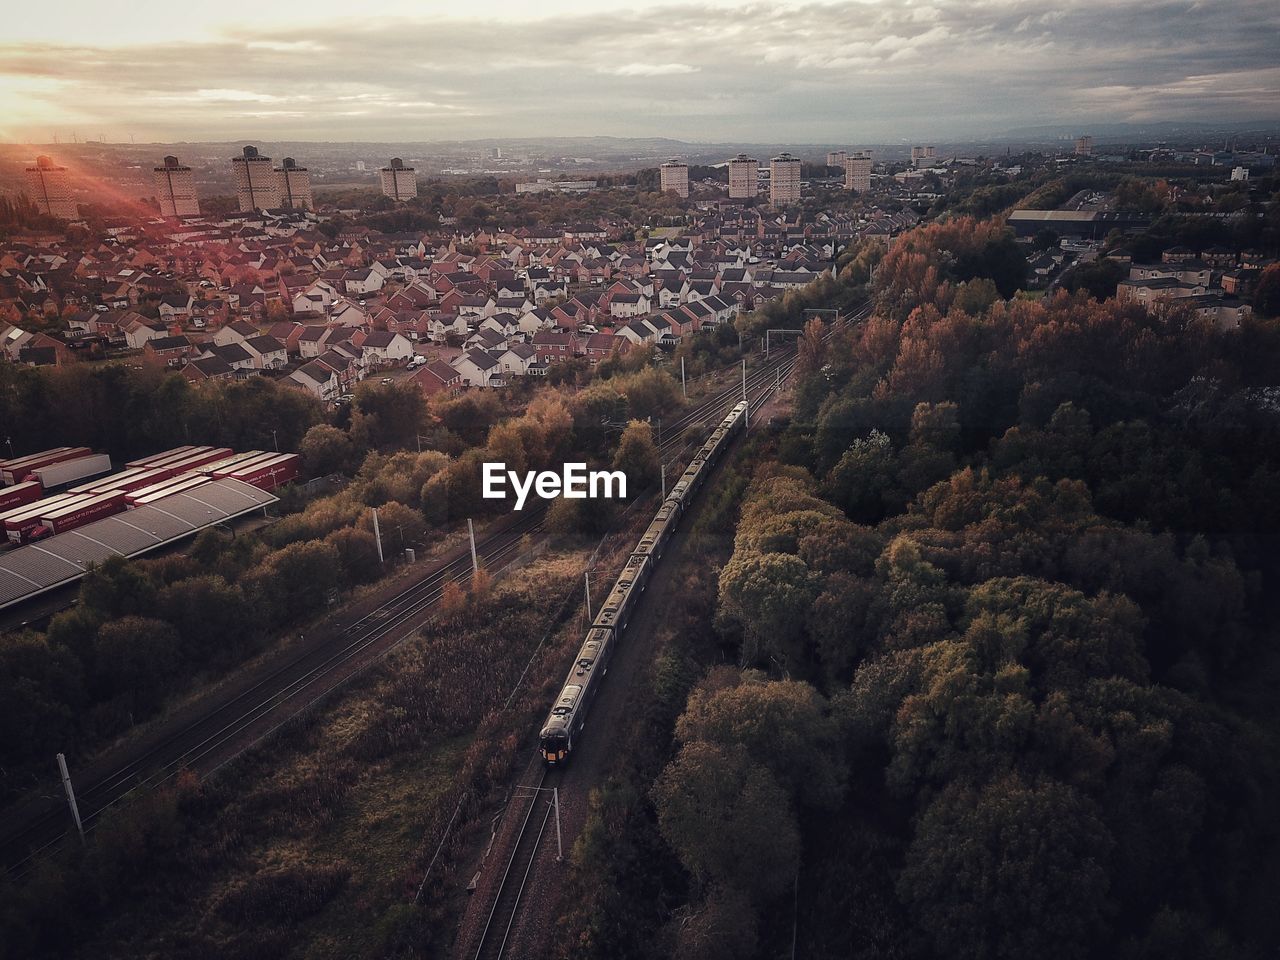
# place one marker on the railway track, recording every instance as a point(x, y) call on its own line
point(535, 813)
point(284, 692)
point(293, 685)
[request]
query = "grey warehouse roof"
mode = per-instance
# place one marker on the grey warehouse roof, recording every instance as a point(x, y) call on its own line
point(61, 559)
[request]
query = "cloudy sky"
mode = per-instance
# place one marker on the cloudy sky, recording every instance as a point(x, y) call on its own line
point(706, 70)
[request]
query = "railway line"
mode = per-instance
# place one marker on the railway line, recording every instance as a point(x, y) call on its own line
point(252, 713)
point(535, 814)
point(532, 812)
point(256, 712)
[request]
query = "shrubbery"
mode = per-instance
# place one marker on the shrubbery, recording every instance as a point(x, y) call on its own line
point(1010, 578)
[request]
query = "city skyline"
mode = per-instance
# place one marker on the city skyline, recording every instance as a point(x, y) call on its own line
point(809, 72)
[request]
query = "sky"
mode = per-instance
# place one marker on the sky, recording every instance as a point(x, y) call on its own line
point(851, 71)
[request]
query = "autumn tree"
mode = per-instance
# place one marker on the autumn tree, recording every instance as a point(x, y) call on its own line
point(134, 657)
point(811, 352)
point(782, 724)
point(357, 553)
point(295, 581)
point(767, 596)
point(325, 450)
point(865, 482)
point(386, 415)
point(637, 456)
point(1266, 295)
point(728, 820)
point(1013, 869)
point(212, 617)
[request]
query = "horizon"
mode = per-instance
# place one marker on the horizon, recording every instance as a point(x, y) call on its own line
point(852, 71)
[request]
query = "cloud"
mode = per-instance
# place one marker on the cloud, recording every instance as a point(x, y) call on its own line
point(650, 69)
point(846, 71)
point(234, 96)
point(286, 46)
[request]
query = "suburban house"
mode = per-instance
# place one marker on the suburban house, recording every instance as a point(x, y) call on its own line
point(480, 368)
point(601, 346)
point(167, 350)
point(384, 347)
point(518, 358)
point(437, 377)
point(140, 331)
point(208, 368)
point(555, 347)
point(237, 331)
point(316, 379)
point(626, 305)
point(234, 355)
point(268, 352)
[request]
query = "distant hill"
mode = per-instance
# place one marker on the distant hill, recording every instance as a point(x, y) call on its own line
point(1154, 130)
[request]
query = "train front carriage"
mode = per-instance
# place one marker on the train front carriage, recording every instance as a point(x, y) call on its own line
point(556, 739)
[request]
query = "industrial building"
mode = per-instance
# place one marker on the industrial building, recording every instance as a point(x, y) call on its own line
point(63, 558)
point(1083, 224)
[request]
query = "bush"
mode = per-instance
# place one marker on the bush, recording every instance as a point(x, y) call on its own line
point(295, 581)
point(282, 895)
point(357, 553)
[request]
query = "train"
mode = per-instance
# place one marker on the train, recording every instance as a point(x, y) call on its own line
point(568, 714)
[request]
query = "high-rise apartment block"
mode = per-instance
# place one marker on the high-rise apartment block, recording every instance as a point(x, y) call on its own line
point(784, 180)
point(1084, 146)
point(257, 186)
point(295, 185)
point(857, 172)
point(836, 158)
point(398, 181)
point(744, 176)
point(674, 176)
point(922, 155)
point(176, 189)
point(49, 187)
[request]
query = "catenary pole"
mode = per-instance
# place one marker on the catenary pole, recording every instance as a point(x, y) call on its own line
point(71, 794)
point(555, 801)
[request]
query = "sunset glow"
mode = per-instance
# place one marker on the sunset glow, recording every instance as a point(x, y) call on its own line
point(699, 70)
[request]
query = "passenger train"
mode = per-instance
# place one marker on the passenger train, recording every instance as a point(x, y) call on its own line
point(569, 713)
